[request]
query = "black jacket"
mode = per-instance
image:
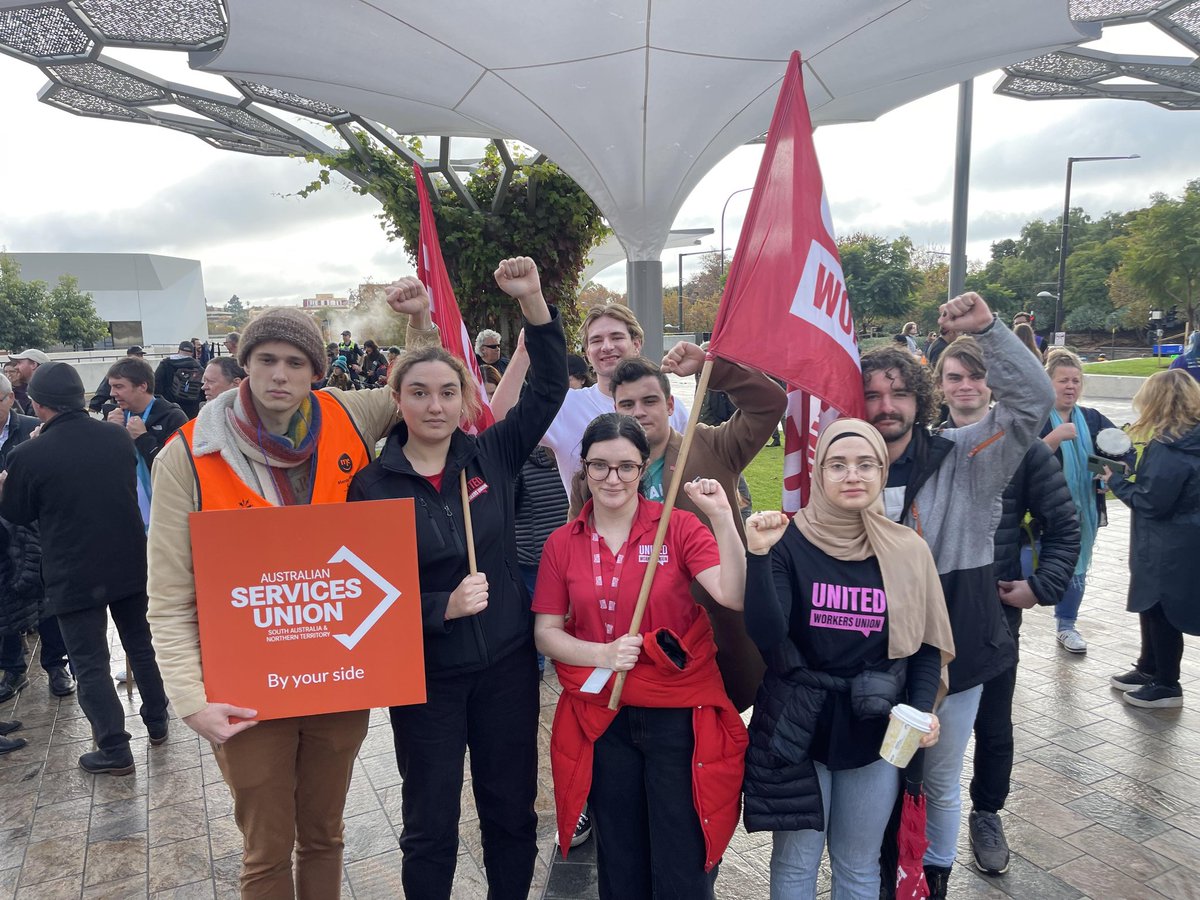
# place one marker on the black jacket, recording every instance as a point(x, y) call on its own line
point(164, 382)
point(1038, 488)
point(20, 578)
point(1164, 542)
point(165, 419)
point(541, 506)
point(491, 462)
point(19, 429)
point(78, 482)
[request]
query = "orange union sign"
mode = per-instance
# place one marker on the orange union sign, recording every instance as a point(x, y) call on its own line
point(309, 609)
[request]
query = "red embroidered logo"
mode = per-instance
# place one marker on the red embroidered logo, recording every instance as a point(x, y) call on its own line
point(475, 487)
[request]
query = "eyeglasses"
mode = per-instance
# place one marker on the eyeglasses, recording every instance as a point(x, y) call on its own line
point(838, 472)
point(598, 470)
point(491, 346)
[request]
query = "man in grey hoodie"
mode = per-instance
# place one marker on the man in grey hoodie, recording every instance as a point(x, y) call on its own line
point(947, 487)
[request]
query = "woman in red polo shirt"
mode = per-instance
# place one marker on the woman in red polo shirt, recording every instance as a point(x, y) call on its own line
point(662, 775)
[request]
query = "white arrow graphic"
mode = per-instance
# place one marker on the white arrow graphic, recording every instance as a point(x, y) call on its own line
point(390, 595)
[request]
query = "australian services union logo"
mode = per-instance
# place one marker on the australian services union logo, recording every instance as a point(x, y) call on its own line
point(308, 604)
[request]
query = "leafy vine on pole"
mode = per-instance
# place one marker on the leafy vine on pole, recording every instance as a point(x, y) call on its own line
point(538, 211)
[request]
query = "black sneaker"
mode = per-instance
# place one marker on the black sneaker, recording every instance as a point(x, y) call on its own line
point(61, 682)
point(1131, 680)
point(583, 829)
point(11, 685)
point(1155, 696)
point(988, 843)
point(938, 879)
point(102, 762)
point(9, 727)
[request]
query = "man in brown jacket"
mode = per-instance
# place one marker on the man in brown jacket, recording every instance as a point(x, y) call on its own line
point(641, 389)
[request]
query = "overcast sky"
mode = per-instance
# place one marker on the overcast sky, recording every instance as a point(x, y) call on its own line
point(76, 184)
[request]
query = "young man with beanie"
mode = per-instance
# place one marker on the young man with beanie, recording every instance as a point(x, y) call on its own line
point(272, 442)
point(77, 481)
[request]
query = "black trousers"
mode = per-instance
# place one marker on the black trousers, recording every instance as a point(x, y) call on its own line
point(53, 651)
point(1162, 647)
point(994, 733)
point(495, 713)
point(648, 838)
point(86, 635)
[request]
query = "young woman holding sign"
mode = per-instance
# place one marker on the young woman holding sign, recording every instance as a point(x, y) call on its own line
point(661, 823)
point(848, 612)
point(481, 669)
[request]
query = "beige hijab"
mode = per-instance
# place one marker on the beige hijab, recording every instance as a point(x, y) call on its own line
point(916, 606)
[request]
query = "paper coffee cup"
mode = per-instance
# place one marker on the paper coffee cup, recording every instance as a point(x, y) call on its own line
point(906, 726)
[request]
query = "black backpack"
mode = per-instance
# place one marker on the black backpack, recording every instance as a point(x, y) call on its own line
point(187, 383)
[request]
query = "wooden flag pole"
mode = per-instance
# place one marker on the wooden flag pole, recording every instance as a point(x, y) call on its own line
point(668, 505)
point(466, 506)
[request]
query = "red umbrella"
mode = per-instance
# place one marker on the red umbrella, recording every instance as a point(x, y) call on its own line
point(912, 843)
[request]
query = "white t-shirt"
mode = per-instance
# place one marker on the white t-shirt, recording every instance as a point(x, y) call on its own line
point(565, 435)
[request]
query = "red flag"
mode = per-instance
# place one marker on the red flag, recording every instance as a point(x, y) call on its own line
point(431, 270)
point(785, 309)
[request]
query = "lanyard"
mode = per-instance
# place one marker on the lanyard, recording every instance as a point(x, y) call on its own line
point(145, 413)
point(608, 607)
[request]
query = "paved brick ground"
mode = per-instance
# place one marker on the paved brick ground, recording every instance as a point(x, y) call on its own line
point(1106, 799)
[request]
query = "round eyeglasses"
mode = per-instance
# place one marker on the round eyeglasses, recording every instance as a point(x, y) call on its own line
point(867, 471)
point(598, 470)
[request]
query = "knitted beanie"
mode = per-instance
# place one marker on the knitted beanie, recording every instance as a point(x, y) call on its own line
point(290, 325)
point(57, 385)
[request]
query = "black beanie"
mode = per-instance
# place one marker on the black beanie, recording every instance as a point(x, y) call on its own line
point(57, 385)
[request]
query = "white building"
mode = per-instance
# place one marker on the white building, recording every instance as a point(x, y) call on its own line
point(147, 299)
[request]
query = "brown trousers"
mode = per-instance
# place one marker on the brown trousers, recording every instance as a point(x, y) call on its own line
point(289, 779)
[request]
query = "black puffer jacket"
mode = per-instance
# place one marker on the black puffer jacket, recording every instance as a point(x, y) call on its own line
point(491, 462)
point(20, 578)
point(1039, 488)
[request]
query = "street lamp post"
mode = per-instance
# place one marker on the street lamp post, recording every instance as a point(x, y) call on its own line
point(1062, 244)
point(723, 208)
point(681, 256)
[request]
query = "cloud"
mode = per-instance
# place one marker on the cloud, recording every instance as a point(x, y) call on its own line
point(233, 198)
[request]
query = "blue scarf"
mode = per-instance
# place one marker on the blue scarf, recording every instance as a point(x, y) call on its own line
point(1080, 482)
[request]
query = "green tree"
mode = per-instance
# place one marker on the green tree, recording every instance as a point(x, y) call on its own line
point(238, 316)
point(24, 321)
point(73, 318)
point(541, 213)
point(880, 277)
point(1162, 254)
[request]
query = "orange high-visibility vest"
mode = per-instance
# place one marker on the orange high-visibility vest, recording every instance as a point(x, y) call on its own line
point(341, 451)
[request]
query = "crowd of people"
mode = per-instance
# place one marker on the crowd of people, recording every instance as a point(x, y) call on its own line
point(971, 490)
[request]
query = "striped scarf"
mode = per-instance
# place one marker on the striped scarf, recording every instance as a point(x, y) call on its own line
point(275, 455)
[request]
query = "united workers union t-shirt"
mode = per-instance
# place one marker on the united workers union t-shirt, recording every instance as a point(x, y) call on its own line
point(838, 618)
point(566, 583)
point(652, 481)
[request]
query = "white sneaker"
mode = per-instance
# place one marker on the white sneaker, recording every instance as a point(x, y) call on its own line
point(121, 677)
point(1072, 641)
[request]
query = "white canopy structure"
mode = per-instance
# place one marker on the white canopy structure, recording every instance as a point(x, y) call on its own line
point(636, 100)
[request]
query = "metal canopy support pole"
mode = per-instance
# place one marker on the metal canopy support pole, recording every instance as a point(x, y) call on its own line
point(962, 180)
point(1062, 251)
point(644, 278)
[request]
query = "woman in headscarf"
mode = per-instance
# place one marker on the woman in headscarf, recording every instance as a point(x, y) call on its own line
point(1190, 361)
point(1071, 433)
point(846, 607)
point(1165, 538)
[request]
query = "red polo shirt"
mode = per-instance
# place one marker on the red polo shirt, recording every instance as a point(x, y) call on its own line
point(566, 583)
